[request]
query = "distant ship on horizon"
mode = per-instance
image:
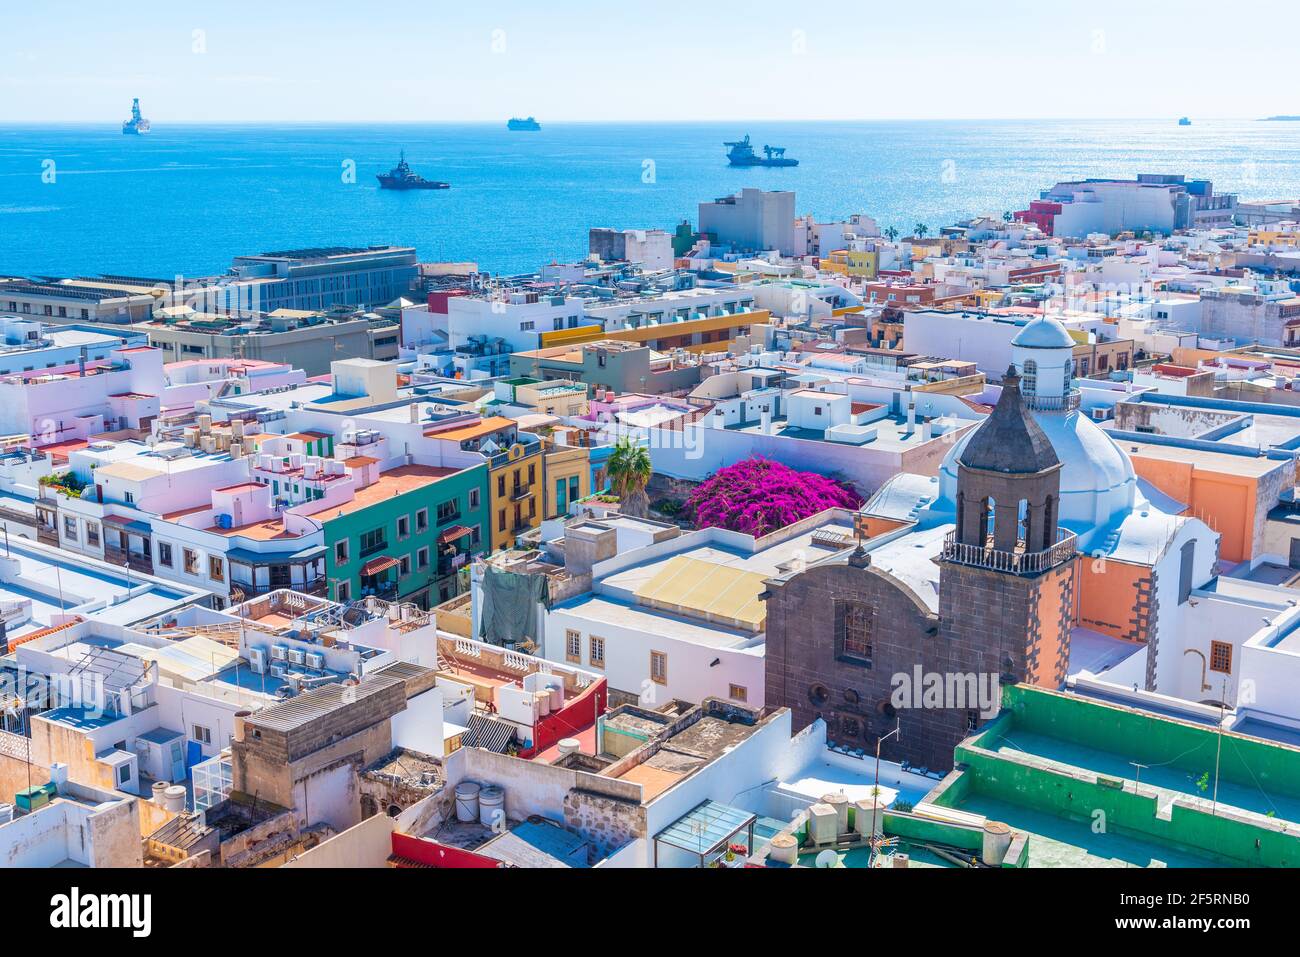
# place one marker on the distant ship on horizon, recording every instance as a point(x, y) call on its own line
point(741, 153)
point(526, 124)
point(402, 176)
point(1184, 121)
point(137, 125)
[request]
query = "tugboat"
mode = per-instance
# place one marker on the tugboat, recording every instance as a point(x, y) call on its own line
point(518, 125)
point(1184, 122)
point(137, 125)
point(742, 154)
point(401, 177)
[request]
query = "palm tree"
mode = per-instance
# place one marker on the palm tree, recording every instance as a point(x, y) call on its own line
point(629, 473)
point(1008, 216)
point(891, 233)
point(921, 229)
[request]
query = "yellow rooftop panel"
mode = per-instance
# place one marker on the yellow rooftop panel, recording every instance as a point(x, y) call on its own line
point(704, 589)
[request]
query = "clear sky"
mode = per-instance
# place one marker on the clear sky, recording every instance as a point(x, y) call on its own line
point(401, 60)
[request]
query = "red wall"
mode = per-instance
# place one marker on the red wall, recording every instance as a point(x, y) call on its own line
point(578, 715)
point(438, 855)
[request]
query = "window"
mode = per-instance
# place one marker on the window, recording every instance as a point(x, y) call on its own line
point(448, 511)
point(501, 486)
point(1185, 572)
point(129, 498)
point(123, 773)
point(403, 526)
point(202, 735)
point(597, 652)
point(854, 631)
point(1221, 657)
point(191, 560)
point(501, 520)
point(216, 569)
point(473, 498)
point(165, 554)
point(373, 541)
point(532, 473)
point(421, 519)
point(404, 565)
point(92, 533)
point(340, 553)
point(343, 591)
point(422, 558)
point(1029, 381)
point(738, 693)
point(69, 527)
point(572, 646)
point(658, 667)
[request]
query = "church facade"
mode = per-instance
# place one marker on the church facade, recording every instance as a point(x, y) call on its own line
point(984, 577)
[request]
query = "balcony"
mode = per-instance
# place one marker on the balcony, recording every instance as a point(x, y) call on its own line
point(1053, 403)
point(1017, 562)
point(520, 492)
point(136, 561)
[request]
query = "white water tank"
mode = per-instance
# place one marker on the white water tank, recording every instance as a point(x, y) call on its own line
point(784, 849)
point(159, 792)
point(840, 802)
point(557, 697)
point(868, 817)
point(823, 824)
point(492, 806)
point(174, 798)
point(467, 793)
point(997, 839)
point(569, 746)
point(543, 701)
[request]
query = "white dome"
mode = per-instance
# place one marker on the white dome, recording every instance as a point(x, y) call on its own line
point(1043, 333)
point(1097, 478)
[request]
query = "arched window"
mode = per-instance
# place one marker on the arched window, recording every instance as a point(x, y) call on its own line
point(1029, 381)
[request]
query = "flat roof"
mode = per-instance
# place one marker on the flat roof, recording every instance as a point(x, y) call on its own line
point(394, 482)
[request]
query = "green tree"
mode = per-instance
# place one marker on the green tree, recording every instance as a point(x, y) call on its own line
point(921, 229)
point(1008, 216)
point(891, 233)
point(629, 472)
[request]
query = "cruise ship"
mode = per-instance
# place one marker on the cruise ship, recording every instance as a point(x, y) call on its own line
point(527, 124)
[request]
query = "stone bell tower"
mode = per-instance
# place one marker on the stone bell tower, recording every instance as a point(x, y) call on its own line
point(1006, 583)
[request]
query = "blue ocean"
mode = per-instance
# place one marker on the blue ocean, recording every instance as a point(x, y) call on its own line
point(186, 198)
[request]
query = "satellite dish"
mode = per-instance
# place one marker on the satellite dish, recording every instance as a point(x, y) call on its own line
point(826, 858)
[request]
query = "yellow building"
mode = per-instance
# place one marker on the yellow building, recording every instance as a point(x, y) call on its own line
point(1274, 237)
point(515, 465)
point(863, 263)
point(709, 334)
point(568, 477)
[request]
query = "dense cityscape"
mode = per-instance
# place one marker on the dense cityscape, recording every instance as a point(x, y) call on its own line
point(504, 490)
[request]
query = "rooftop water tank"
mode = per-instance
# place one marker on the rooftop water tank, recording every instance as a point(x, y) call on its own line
point(492, 806)
point(467, 801)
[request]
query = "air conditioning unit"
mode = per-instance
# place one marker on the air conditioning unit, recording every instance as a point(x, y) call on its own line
point(257, 660)
point(277, 671)
point(295, 656)
point(279, 652)
point(315, 661)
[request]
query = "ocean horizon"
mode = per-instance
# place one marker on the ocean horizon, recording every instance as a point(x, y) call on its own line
point(186, 198)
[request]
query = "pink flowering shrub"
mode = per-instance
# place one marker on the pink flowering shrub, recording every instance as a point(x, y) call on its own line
point(758, 496)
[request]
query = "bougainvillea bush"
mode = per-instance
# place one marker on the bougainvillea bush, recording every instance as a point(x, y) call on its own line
point(758, 496)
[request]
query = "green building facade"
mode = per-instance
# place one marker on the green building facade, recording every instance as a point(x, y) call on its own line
point(415, 546)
